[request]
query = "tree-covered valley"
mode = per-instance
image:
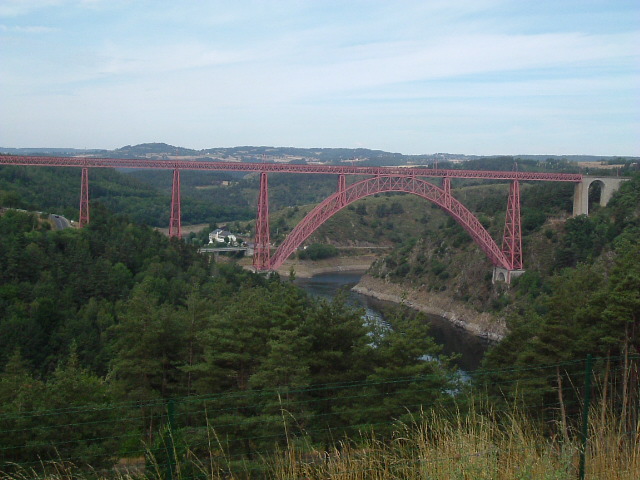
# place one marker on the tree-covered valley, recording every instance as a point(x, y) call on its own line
point(117, 312)
point(107, 330)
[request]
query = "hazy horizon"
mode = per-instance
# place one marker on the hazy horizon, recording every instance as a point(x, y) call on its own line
point(471, 76)
point(521, 154)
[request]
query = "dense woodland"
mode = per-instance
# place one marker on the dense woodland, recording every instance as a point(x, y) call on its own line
point(57, 190)
point(588, 302)
point(580, 295)
point(117, 313)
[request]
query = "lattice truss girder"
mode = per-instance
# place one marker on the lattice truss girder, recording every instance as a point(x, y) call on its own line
point(379, 184)
point(283, 167)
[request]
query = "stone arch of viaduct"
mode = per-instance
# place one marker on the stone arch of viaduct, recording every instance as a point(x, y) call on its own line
point(609, 185)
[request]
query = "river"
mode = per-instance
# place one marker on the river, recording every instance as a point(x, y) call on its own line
point(453, 339)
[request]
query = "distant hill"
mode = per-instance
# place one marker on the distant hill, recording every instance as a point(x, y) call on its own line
point(146, 149)
point(333, 156)
point(63, 152)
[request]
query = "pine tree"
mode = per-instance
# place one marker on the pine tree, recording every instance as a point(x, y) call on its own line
point(147, 344)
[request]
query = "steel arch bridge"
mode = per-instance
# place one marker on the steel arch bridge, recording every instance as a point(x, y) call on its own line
point(382, 179)
point(381, 184)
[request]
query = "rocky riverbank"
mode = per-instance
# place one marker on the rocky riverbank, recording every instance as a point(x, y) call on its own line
point(483, 325)
point(309, 268)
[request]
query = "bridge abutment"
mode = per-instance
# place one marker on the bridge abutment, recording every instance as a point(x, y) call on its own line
point(581, 192)
point(502, 275)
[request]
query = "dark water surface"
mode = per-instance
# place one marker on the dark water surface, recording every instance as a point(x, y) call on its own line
point(452, 339)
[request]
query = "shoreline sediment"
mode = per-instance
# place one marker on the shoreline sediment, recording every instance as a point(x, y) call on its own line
point(482, 325)
point(309, 268)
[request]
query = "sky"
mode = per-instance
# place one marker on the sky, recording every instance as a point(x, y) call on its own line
point(477, 77)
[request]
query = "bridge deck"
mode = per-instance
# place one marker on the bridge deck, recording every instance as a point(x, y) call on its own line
point(283, 168)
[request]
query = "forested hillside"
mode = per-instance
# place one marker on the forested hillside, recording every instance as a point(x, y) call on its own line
point(588, 301)
point(145, 195)
point(240, 190)
point(105, 331)
point(118, 343)
point(580, 294)
point(441, 256)
point(117, 312)
point(57, 190)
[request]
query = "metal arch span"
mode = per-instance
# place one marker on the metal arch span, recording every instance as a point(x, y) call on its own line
point(380, 184)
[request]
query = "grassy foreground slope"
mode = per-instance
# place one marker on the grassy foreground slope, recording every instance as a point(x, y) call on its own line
point(478, 443)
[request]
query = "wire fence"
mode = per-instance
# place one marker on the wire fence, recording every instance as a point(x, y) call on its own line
point(268, 432)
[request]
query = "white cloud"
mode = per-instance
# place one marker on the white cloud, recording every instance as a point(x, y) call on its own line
point(278, 71)
point(119, 60)
point(12, 8)
point(469, 55)
point(27, 29)
point(15, 8)
point(305, 72)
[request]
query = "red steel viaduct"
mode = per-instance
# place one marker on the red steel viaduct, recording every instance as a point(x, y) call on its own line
point(507, 258)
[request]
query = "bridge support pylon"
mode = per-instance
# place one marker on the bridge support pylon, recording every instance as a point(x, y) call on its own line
point(581, 192)
point(512, 240)
point(262, 254)
point(175, 227)
point(84, 198)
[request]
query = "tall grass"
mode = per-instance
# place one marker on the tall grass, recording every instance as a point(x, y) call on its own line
point(477, 446)
point(437, 445)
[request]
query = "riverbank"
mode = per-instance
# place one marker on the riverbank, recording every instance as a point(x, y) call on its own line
point(483, 325)
point(309, 268)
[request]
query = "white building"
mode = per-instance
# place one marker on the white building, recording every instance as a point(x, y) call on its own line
point(219, 236)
